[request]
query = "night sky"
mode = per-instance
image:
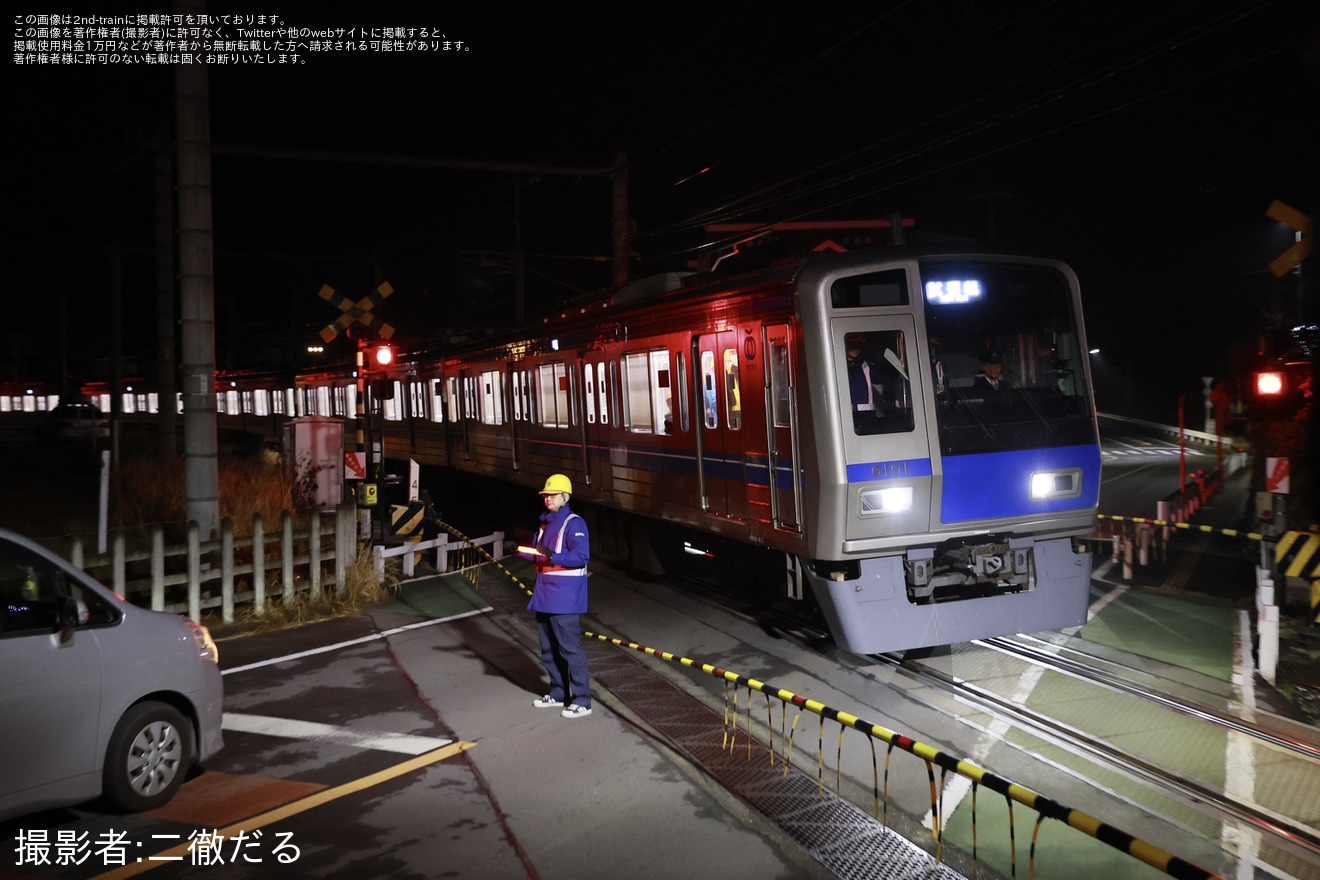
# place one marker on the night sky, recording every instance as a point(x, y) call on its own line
point(1140, 142)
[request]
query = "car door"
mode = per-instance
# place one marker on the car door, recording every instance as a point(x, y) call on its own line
point(50, 679)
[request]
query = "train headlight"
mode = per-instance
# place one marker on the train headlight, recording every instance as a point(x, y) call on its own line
point(1048, 485)
point(897, 499)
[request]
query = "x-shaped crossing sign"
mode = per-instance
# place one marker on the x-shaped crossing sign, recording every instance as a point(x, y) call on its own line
point(359, 311)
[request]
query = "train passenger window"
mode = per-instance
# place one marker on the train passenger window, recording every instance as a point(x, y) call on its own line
point(680, 380)
point(436, 390)
point(662, 393)
point(454, 411)
point(732, 389)
point(333, 405)
point(779, 381)
point(261, 402)
point(647, 393)
point(516, 396)
point(552, 384)
point(589, 392)
point(887, 288)
point(636, 399)
point(391, 405)
point(712, 417)
point(278, 402)
point(153, 402)
point(492, 398)
point(601, 389)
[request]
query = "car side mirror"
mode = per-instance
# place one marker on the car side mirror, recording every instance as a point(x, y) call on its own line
point(72, 612)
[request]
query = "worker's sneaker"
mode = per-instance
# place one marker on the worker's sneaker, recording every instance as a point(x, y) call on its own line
point(576, 711)
point(547, 702)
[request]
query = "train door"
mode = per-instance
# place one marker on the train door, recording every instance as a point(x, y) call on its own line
point(721, 466)
point(596, 424)
point(785, 475)
point(454, 426)
point(887, 459)
point(521, 416)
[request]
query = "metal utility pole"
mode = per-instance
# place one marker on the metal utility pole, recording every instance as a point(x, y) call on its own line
point(197, 289)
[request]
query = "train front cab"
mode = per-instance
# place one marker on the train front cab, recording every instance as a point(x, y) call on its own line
point(945, 515)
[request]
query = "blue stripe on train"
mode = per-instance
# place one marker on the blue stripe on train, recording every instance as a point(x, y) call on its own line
point(998, 484)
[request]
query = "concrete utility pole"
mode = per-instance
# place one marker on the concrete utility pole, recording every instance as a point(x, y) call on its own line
point(197, 289)
point(165, 364)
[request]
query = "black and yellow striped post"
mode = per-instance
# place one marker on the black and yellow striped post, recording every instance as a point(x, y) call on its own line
point(1297, 555)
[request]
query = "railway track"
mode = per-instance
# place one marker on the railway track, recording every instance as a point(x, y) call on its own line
point(1282, 833)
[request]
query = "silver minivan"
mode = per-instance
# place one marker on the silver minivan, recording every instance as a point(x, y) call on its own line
point(98, 698)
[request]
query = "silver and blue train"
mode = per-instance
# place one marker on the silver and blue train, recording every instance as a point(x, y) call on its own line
point(918, 508)
point(828, 416)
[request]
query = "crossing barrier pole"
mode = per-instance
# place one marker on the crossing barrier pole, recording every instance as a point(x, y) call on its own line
point(1267, 626)
point(1127, 557)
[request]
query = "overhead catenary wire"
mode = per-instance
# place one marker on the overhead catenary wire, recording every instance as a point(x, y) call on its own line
point(773, 196)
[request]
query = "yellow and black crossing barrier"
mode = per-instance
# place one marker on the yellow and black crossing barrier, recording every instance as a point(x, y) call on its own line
point(1170, 524)
point(1045, 807)
point(1297, 555)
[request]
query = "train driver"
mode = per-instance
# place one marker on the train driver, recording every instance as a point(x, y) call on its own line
point(991, 383)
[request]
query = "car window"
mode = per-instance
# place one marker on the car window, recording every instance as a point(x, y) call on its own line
point(30, 591)
point(29, 597)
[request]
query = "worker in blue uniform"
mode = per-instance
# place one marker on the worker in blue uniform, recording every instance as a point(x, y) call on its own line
point(561, 551)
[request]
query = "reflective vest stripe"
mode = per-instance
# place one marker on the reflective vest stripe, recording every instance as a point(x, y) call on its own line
point(559, 570)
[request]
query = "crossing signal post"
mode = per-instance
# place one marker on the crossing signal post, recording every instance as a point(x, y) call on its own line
point(359, 321)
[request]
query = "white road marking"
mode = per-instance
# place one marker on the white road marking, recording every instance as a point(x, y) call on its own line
point(351, 642)
point(957, 787)
point(1240, 757)
point(287, 728)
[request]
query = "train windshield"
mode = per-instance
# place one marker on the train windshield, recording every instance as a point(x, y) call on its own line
point(1006, 358)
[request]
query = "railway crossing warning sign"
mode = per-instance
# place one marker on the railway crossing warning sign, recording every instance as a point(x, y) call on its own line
point(359, 312)
point(1277, 472)
point(1304, 225)
point(355, 465)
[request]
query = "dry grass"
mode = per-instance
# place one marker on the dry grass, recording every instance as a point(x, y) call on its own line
point(147, 491)
point(361, 589)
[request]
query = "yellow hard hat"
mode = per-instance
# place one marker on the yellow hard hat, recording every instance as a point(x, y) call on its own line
point(556, 484)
